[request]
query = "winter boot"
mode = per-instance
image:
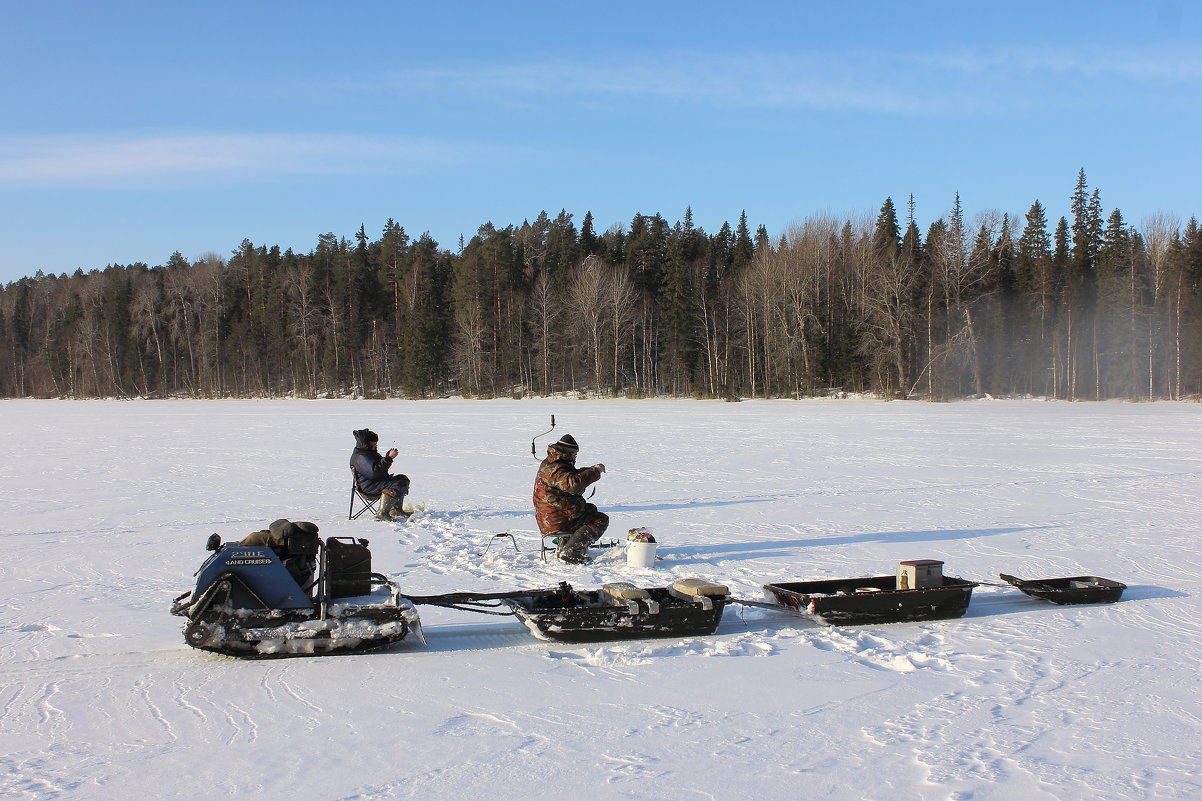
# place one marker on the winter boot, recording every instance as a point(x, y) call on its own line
point(389, 507)
point(592, 530)
point(572, 549)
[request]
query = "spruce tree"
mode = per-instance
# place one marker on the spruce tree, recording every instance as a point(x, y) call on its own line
point(744, 248)
point(588, 237)
point(886, 235)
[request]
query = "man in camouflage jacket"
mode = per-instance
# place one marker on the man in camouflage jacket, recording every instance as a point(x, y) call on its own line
point(559, 505)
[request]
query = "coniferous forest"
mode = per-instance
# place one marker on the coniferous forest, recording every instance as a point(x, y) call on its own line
point(1081, 308)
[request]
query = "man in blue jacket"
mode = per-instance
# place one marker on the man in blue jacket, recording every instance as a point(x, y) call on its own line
point(371, 473)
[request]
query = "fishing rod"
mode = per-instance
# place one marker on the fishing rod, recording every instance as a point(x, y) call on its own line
point(534, 451)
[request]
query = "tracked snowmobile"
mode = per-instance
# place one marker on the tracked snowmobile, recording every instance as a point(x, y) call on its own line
point(298, 596)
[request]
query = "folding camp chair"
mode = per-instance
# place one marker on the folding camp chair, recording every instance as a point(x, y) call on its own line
point(367, 500)
point(549, 542)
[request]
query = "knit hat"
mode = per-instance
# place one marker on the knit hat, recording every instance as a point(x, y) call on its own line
point(566, 443)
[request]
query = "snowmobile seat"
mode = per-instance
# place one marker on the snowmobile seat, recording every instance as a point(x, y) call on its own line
point(366, 500)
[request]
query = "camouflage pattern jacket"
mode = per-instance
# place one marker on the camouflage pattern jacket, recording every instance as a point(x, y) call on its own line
point(558, 490)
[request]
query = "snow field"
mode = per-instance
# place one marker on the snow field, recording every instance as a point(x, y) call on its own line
point(108, 505)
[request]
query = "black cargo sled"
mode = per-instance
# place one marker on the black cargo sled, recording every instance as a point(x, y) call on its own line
point(309, 597)
point(1070, 589)
point(621, 611)
point(919, 591)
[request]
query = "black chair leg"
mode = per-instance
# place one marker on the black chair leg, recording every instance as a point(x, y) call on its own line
point(369, 504)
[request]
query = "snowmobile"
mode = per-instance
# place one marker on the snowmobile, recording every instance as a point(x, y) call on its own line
point(304, 598)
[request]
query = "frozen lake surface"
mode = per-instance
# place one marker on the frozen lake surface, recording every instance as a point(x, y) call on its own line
point(108, 505)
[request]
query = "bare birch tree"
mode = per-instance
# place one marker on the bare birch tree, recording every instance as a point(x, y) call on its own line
point(586, 301)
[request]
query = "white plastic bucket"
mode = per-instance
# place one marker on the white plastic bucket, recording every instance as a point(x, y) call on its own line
point(640, 554)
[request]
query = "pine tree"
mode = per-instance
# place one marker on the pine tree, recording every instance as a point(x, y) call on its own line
point(588, 238)
point(1007, 325)
point(1037, 290)
point(427, 336)
point(886, 235)
point(762, 243)
point(1081, 290)
point(1188, 310)
point(1115, 311)
point(744, 248)
point(677, 301)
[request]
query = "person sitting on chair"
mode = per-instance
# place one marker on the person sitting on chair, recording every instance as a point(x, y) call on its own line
point(373, 478)
point(559, 506)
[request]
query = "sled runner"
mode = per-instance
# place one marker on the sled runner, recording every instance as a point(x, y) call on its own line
point(919, 591)
point(249, 603)
point(620, 611)
point(1069, 590)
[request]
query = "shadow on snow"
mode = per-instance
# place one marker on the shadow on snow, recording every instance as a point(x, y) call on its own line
point(773, 548)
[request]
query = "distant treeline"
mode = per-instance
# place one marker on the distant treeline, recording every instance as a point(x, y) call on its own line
point(1088, 308)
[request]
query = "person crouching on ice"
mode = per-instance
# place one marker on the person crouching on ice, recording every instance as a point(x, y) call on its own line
point(371, 473)
point(559, 506)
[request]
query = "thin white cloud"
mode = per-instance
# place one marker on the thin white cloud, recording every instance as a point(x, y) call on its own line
point(750, 80)
point(889, 82)
point(1163, 65)
point(154, 159)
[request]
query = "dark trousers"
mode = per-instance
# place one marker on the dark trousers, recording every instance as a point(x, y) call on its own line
point(583, 530)
point(397, 486)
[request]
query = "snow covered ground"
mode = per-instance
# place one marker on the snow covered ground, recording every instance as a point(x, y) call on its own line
point(107, 506)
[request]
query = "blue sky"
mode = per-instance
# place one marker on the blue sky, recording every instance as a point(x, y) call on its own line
point(132, 130)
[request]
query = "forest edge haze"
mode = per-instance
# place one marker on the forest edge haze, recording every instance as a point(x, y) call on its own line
point(1087, 308)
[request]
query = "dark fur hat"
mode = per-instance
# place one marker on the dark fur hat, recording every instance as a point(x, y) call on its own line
point(365, 436)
